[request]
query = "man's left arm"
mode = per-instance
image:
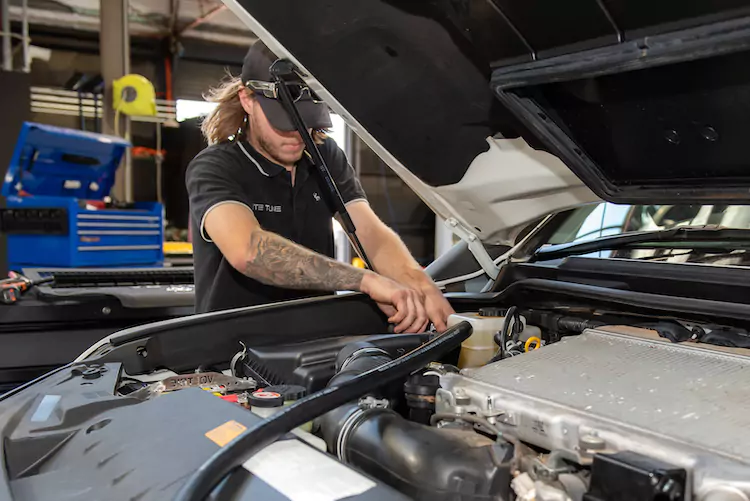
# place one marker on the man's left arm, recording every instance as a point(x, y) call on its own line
point(391, 258)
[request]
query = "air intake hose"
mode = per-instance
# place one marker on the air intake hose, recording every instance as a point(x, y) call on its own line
point(229, 457)
point(425, 463)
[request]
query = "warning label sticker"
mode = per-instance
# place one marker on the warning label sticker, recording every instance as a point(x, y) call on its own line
point(317, 476)
point(225, 433)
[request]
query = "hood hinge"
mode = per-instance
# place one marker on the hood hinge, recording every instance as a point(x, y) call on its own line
point(475, 246)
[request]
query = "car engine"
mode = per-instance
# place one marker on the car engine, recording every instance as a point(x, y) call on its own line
point(520, 404)
point(616, 410)
point(613, 413)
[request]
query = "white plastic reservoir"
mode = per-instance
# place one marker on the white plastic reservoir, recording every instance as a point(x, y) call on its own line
point(480, 347)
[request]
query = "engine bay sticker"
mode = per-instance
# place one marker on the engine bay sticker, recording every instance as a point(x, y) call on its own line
point(317, 477)
point(225, 433)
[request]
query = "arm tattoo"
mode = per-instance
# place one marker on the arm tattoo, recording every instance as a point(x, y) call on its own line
point(274, 260)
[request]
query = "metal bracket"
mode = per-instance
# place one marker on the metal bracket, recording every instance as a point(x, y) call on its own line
point(475, 246)
point(370, 402)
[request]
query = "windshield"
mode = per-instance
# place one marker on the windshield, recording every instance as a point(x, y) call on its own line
point(604, 219)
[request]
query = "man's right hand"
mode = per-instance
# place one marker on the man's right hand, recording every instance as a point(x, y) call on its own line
point(405, 306)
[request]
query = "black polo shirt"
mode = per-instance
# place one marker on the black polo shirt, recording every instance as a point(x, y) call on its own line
point(234, 173)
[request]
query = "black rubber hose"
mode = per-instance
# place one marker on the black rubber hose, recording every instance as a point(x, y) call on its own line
point(264, 433)
point(501, 338)
point(427, 463)
point(578, 325)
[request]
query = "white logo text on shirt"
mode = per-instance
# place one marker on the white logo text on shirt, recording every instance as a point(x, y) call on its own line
point(266, 208)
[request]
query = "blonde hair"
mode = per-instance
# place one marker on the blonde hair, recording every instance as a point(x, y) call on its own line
point(227, 117)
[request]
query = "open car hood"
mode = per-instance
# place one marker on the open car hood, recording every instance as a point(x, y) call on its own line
point(498, 112)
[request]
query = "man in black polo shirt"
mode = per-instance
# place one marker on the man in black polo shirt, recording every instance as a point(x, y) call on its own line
point(262, 229)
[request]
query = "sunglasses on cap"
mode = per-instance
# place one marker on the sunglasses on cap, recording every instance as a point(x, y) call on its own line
point(270, 90)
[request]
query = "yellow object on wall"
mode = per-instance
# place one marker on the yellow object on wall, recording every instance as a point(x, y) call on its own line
point(134, 95)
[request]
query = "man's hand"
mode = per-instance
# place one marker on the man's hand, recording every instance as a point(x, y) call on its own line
point(438, 308)
point(405, 306)
point(392, 259)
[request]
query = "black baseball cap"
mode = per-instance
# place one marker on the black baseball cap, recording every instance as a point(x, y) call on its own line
point(256, 66)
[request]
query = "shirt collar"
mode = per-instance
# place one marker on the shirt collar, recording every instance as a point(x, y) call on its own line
point(264, 166)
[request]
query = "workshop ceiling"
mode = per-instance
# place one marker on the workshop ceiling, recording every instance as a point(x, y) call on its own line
point(207, 20)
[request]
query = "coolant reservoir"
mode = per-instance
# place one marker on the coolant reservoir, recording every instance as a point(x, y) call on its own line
point(480, 347)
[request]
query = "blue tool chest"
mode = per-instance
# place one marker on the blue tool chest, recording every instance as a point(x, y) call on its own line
point(55, 210)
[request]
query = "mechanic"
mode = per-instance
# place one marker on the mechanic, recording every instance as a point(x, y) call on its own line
point(262, 229)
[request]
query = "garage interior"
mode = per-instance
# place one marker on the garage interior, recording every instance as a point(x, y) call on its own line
point(575, 325)
point(61, 60)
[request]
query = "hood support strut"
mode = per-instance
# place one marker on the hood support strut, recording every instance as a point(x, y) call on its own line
point(475, 246)
point(281, 70)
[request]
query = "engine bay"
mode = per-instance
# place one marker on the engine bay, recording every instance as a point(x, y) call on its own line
point(528, 403)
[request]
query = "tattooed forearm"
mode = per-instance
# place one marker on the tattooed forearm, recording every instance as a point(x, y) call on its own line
point(274, 260)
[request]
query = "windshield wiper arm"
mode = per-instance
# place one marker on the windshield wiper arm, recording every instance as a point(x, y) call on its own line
point(614, 242)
